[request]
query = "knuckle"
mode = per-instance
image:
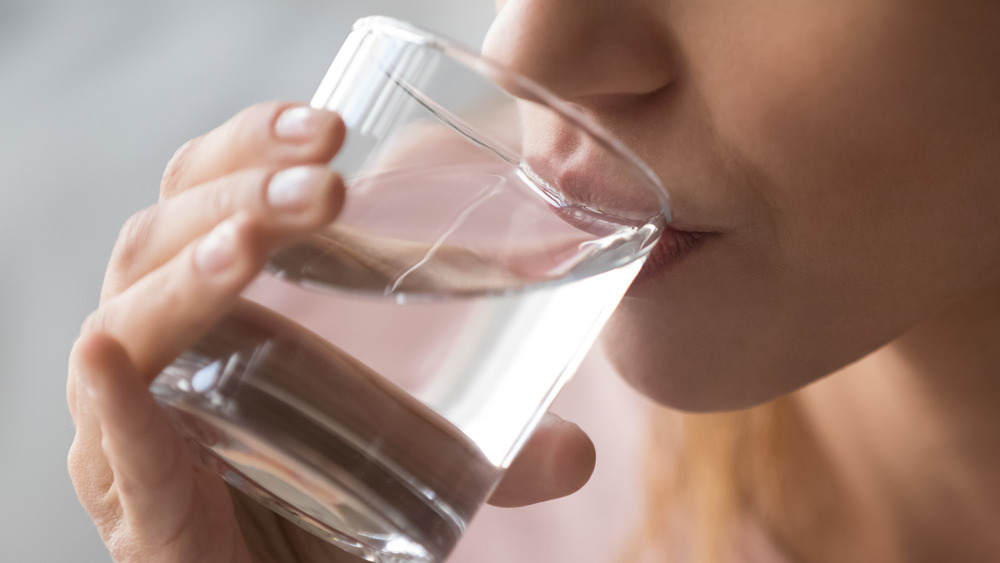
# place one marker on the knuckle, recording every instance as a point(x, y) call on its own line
point(71, 394)
point(260, 112)
point(238, 191)
point(264, 112)
point(132, 239)
point(73, 462)
point(92, 480)
point(78, 463)
point(167, 295)
point(72, 388)
point(177, 168)
point(256, 121)
point(181, 294)
point(96, 321)
point(242, 194)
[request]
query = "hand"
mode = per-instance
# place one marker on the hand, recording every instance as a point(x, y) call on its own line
point(227, 199)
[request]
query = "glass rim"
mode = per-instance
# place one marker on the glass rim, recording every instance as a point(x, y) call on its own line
point(528, 89)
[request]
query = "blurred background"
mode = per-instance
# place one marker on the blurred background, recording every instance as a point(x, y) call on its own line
point(95, 96)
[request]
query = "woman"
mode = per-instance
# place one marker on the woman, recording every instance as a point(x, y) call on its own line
point(836, 188)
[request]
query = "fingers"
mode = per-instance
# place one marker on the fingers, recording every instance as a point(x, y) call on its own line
point(229, 199)
point(127, 464)
point(164, 313)
point(302, 196)
point(150, 323)
point(557, 460)
point(279, 134)
point(141, 455)
point(268, 157)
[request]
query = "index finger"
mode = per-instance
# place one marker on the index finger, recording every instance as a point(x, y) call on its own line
point(277, 134)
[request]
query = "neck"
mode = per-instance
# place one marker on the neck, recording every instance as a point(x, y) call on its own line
point(913, 433)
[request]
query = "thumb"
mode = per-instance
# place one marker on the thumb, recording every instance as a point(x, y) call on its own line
point(556, 461)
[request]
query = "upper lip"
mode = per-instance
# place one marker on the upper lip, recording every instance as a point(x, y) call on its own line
point(586, 173)
point(597, 180)
point(588, 180)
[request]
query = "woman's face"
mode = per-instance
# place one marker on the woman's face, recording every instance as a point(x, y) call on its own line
point(843, 154)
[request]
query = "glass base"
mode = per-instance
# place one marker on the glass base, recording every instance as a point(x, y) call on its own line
point(328, 502)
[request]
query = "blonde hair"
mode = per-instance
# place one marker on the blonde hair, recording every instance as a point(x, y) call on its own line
point(707, 472)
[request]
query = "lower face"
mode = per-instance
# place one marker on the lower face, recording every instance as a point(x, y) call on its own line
point(842, 156)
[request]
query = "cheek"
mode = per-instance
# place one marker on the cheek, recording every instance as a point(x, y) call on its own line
point(804, 100)
point(874, 206)
point(862, 128)
point(830, 103)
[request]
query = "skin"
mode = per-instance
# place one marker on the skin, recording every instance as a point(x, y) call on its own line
point(849, 183)
point(844, 159)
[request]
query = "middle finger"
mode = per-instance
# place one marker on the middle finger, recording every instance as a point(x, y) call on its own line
point(286, 199)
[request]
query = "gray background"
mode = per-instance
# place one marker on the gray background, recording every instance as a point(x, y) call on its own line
point(95, 95)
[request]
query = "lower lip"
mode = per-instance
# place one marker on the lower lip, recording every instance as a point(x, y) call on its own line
point(672, 247)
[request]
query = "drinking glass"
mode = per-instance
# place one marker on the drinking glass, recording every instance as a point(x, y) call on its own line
point(374, 383)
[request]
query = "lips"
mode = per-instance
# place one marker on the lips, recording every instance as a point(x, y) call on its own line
point(583, 181)
point(599, 176)
point(592, 204)
point(674, 245)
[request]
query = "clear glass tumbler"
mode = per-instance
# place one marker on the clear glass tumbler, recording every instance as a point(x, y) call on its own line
point(377, 379)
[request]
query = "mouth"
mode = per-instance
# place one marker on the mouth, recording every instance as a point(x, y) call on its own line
point(593, 177)
point(600, 211)
point(596, 199)
point(674, 245)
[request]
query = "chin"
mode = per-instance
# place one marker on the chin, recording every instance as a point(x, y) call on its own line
point(700, 392)
point(699, 375)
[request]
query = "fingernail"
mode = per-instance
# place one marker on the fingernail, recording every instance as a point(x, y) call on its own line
point(217, 251)
point(298, 123)
point(295, 188)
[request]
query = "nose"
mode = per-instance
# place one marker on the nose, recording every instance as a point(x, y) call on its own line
point(591, 52)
